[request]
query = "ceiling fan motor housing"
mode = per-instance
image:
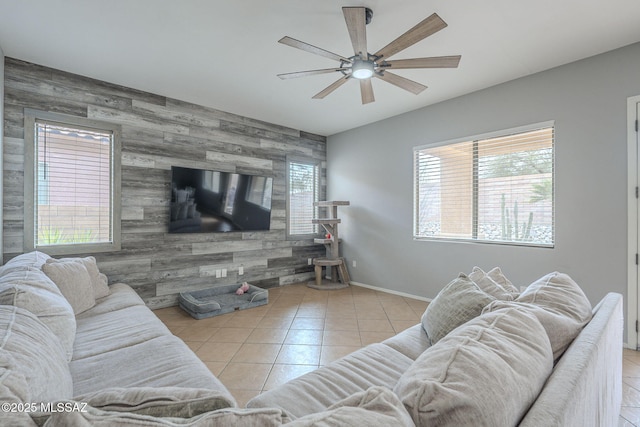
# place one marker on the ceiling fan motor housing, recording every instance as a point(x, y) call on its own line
point(368, 15)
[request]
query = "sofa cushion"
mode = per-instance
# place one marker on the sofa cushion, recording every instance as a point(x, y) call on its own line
point(33, 259)
point(108, 331)
point(29, 288)
point(13, 390)
point(411, 342)
point(73, 280)
point(14, 385)
point(93, 417)
point(30, 276)
point(460, 301)
point(457, 381)
point(374, 365)
point(120, 296)
point(559, 304)
point(158, 401)
point(490, 286)
point(376, 406)
point(163, 361)
point(38, 355)
point(99, 282)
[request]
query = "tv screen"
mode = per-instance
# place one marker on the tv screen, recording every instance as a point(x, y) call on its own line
point(210, 201)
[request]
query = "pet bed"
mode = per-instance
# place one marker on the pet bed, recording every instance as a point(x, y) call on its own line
point(220, 300)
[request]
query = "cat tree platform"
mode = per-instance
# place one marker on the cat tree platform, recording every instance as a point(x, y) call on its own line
point(341, 268)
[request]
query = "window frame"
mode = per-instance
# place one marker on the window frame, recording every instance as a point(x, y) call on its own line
point(316, 164)
point(31, 117)
point(480, 137)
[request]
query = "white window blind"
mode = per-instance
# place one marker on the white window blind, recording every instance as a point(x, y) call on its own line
point(259, 191)
point(212, 181)
point(74, 188)
point(496, 189)
point(303, 191)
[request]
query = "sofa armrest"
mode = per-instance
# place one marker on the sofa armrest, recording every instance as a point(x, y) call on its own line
point(88, 416)
point(585, 387)
point(178, 402)
point(376, 406)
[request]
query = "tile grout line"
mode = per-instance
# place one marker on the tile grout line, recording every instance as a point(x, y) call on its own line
point(301, 300)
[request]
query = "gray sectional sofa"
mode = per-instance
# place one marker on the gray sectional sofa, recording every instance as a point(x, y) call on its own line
point(114, 355)
point(540, 358)
point(483, 355)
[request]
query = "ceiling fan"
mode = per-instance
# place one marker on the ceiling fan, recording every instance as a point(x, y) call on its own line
point(364, 65)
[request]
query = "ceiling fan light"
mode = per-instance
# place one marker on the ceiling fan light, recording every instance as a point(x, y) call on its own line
point(362, 69)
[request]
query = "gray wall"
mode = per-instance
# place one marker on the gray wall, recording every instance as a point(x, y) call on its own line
point(372, 167)
point(157, 133)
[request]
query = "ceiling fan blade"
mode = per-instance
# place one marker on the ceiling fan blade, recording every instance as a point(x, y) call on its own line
point(366, 90)
point(355, 17)
point(312, 49)
point(401, 82)
point(422, 30)
point(433, 62)
point(309, 73)
point(333, 86)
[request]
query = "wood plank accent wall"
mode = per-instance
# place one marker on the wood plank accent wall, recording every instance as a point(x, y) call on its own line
point(1, 134)
point(158, 132)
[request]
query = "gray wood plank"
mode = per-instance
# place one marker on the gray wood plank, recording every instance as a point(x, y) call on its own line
point(158, 133)
point(133, 119)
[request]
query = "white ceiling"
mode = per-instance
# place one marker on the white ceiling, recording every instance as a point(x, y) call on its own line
point(225, 55)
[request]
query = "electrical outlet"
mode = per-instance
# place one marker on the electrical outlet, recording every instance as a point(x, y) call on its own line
point(309, 261)
point(224, 272)
point(240, 271)
point(354, 263)
point(218, 274)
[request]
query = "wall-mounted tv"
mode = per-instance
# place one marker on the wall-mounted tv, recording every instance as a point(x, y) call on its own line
point(211, 201)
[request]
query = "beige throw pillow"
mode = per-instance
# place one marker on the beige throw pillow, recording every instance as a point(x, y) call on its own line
point(99, 281)
point(460, 301)
point(497, 276)
point(74, 282)
point(487, 372)
point(559, 304)
point(490, 286)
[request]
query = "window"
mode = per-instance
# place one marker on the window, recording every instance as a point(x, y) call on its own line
point(212, 181)
point(259, 191)
point(303, 189)
point(71, 191)
point(495, 188)
point(230, 195)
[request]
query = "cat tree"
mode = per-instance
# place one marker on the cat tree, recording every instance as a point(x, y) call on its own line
point(336, 266)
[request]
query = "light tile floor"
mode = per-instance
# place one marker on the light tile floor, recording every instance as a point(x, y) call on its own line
point(630, 411)
point(302, 329)
point(299, 330)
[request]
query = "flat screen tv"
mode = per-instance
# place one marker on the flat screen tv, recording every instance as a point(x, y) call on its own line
point(210, 201)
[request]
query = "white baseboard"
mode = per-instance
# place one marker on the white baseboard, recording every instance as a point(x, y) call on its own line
point(389, 291)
